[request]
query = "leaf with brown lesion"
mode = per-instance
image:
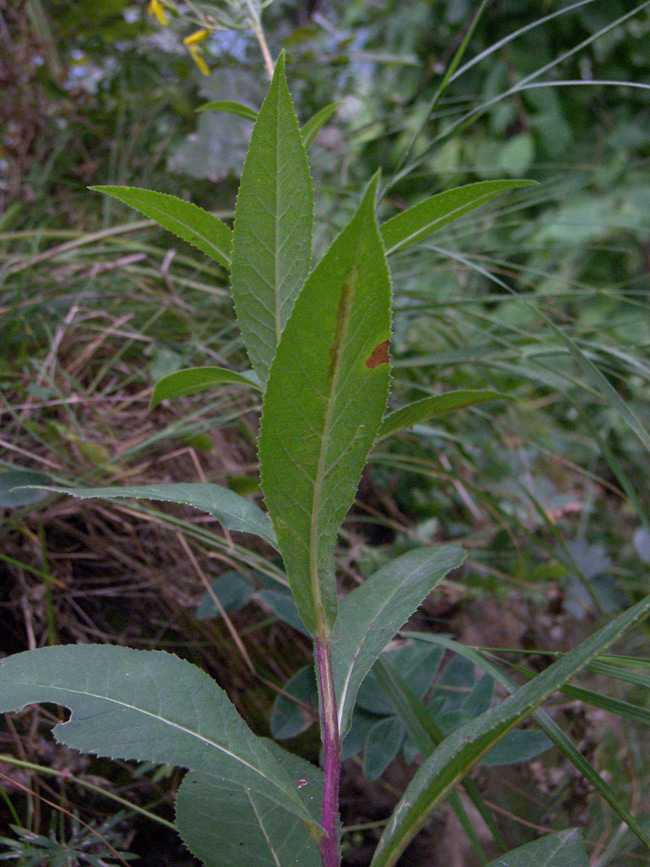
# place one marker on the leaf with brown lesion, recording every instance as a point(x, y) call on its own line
point(379, 355)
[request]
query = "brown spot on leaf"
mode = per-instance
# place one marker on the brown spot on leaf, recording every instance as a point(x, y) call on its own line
point(379, 355)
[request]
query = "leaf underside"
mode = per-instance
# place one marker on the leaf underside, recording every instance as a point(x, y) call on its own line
point(147, 706)
point(232, 510)
point(273, 224)
point(227, 825)
point(323, 405)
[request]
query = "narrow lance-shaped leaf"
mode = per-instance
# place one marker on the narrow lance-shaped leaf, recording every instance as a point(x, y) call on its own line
point(273, 223)
point(314, 125)
point(230, 107)
point(188, 221)
point(195, 379)
point(466, 745)
point(228, 825)
point(324, 401)
point(232, 510)
point(372, 613)
point(433, 407)
point(432, 214)
point(146, 706)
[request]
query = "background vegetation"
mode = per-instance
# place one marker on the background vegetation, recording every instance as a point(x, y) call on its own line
point(542, 296)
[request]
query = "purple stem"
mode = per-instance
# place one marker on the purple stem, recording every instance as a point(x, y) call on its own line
point(329, 844)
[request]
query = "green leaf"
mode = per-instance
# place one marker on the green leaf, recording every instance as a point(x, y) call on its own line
point(426, 734)
point(233, 592)
point(283, 606)
point(273, 224)
point(195, 379)
point(11, 499)
point(372, 613)
point(296, 708)
point(520, 745)
point(227, 825)
point(432, 214)
point(432, 407)
point(188, 221)
point(230, 107)
point(469, 743)
point(545, 723)
point(147, 706)
point(382, 746)
point(314, 125)
point(565, 848)
point(324, 401)
point(233, 511)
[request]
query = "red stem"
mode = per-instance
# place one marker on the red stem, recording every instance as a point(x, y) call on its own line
point(329, 844)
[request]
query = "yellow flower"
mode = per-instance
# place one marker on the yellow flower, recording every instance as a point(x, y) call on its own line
point(200, 62)
point(155, 8)
point(197, 36)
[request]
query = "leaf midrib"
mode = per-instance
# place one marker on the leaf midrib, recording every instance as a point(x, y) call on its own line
point(68, 691)
point(339, 335)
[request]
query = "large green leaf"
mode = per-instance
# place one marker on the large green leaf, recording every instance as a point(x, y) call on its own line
point(432, 214)
point(195, 379)
point(565, 849)
point(232, 510)
point(467, 744)
point(372, 613)
point(425, 733)
point(432, 407)
point(188, 221)
point(148, 706)
point(228, 825)
point(273, 223)
point(324, 401)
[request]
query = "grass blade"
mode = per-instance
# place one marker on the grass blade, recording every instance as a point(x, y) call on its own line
point(465, 746)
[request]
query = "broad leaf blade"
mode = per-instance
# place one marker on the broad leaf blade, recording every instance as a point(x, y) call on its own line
point(195, 379)
point(230, 107)
point(188, 221)
point(432, 214)
point(148, 706)
point(228, 826)
point(324, 401)
point(314, 125)
point(467, 744)
point(433, 407)
point(273, 223)
point(565, 848)
point(372, 613)
point(232, 510)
